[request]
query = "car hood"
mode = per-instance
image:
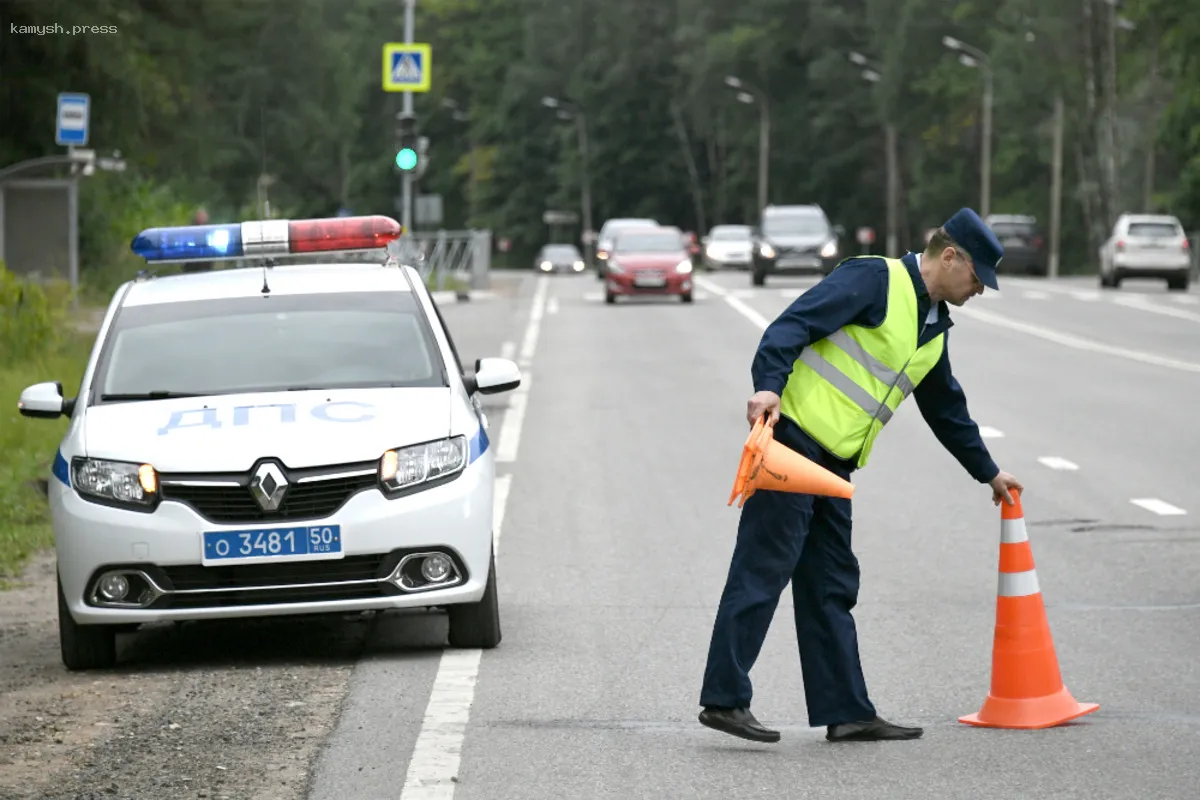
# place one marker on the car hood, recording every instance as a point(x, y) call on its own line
point(728, 246)
point(229, 433)
point(652, 260)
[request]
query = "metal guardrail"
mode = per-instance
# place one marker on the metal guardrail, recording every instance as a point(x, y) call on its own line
point(462, 255)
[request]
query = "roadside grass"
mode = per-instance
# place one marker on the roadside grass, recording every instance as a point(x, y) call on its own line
point(28, 447)
point(450, 283)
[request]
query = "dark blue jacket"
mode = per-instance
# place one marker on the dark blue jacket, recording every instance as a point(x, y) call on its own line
point(856, 293)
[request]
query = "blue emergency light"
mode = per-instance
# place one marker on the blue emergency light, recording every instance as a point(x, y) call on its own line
point(274, 237)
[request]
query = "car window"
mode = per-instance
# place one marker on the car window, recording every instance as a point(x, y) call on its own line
point(276, 343)
point(794, 225)
point(563, 251)
point(1012, 228)
point(649, 243)
point(731, 234)
point(1154, 230)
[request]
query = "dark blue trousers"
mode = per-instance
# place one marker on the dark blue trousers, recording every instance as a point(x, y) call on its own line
point(804, 539)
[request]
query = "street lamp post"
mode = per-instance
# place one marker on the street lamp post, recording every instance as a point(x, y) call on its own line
point(872, 74)
point(459, 115)
point(764, 133)
point(974, 57)
point(586, 188)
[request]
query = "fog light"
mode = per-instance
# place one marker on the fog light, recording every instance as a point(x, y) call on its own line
point(114, 587)
point(435, 568)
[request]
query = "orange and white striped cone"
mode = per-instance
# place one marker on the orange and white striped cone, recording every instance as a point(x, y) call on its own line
point(1027, 689)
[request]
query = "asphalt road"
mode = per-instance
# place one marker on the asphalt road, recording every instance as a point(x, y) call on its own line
point(619, 454)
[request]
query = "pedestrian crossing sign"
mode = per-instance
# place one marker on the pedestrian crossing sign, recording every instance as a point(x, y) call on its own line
point(406, 67)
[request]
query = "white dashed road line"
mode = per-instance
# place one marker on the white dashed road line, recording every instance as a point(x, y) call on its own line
point(746, 311)
point(552, 305)
point(1076, 342)
point(990, 433)
point(1034, 295)
point(1141, 303)
point(1186, 300)
point(1161, 507)
point(1054, 462)
point(433, 770)
point(508, 350)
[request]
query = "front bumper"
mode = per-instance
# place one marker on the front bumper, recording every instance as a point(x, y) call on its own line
point(163, 551)
point(660, 283)
point(726, 261)
point(1152, 265)
point(795, 263)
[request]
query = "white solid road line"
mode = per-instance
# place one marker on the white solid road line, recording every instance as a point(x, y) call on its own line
point(746, 311)
point(1054, 462)
point(433, 769)
point(1033, 294)
point(1076, 342)
point(990, 433)
point(1157, 506)
point(1143, 303)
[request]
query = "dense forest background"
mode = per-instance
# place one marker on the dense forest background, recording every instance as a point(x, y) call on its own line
point(203, 98)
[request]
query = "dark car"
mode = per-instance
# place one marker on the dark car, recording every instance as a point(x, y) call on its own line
point(559, 258)
point(794, 239)
point(1024, 247)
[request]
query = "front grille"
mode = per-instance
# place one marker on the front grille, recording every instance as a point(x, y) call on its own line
point(235, 504)
point(237, 576)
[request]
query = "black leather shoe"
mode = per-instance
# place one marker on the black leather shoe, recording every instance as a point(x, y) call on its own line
point(737, 722)
point(874, 730)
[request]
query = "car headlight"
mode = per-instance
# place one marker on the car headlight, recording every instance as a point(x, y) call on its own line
point(547, 266)
point(578, 265)
point(601, 254)
point(122, 483)
point(409, 467)
point(766, 251)
point(684, 267)
point(830, 249)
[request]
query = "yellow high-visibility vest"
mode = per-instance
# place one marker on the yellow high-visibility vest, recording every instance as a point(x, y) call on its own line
point(844, 388)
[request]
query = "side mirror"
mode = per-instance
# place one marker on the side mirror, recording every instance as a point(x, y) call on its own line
point(492, 376)
point(44, 401)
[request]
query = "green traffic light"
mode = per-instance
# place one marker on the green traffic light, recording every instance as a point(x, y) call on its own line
point(406, 158)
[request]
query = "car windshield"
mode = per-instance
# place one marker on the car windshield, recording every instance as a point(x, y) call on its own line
point(649, 243)
point(267, 344)
point(730, 234)
point(1012, 228)
point(563, 252)
point(794, 225)
point(1154, 230)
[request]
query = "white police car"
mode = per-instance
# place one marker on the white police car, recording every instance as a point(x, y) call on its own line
point(275, 439)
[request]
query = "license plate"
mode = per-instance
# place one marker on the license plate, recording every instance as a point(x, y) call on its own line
point(649, 280)
point(797, 261)
point(1013, 241)
point(306, 542)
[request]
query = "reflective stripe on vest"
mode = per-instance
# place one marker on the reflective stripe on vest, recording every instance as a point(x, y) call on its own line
point(844, 388)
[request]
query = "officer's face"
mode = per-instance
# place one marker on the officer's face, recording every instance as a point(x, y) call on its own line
point(963, 283)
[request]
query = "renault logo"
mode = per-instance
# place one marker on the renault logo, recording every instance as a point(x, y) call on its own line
point(268, 486)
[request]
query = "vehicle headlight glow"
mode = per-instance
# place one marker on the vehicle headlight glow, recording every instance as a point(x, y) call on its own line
point(116, 482)
point(578, 265)
point(546, 266)
point(766, 250)
point(830, 249)
point(684, 267)
point(409, 467)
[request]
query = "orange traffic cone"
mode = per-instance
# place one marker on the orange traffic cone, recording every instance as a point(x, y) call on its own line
point(1027, 689)
point(767, 464)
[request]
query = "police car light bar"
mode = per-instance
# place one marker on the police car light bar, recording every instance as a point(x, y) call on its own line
point(275, 237)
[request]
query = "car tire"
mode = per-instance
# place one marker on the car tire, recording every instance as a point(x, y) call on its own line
point(1179, 284)
point(475, 626)
point(84, 647)
point(1108, 281)
point(686, 297)
point(610, 298)
point(758, 278)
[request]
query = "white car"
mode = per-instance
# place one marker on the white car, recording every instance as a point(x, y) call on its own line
point(272, 439)
point(1147, 246)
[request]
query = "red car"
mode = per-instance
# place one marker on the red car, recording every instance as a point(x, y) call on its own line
point(649, 261)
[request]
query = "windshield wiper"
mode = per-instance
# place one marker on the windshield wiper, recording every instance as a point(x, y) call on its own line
point(157, 394)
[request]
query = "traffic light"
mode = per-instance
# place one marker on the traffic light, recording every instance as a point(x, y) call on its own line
point(407, 143)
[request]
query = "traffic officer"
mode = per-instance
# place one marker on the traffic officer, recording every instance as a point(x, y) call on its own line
point(829, 372)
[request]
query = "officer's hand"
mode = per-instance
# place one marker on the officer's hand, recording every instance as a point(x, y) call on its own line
point(762, 403)
point(1000, 486)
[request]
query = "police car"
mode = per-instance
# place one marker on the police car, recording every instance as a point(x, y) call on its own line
point(276, 438)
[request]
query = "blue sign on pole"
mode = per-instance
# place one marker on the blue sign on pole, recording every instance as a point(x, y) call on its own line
point(73, 112)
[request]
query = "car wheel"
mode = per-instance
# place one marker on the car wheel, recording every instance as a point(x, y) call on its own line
point(477, 625)
point(686, 297)
point(1179, 284)
point(84, 646)
point(758, 278)
point(610, 298)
